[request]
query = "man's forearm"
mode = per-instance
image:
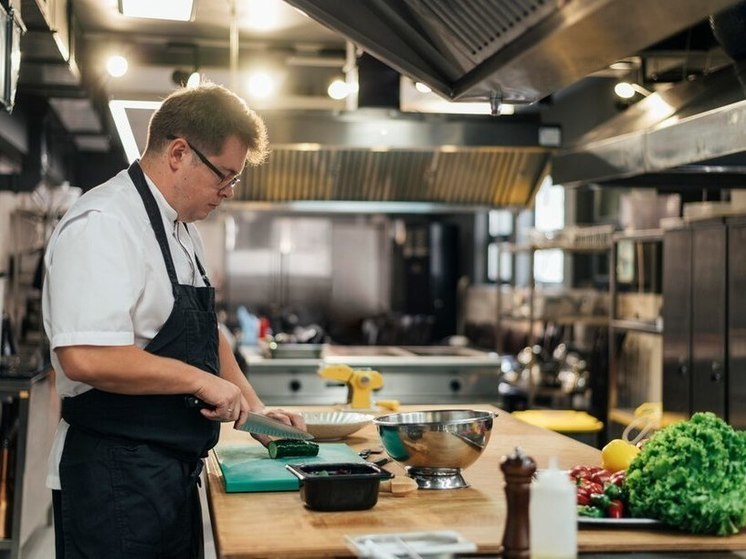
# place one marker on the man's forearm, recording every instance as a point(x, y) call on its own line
point(129, 370)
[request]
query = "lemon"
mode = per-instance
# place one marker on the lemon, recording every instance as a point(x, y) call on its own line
point(618, 455)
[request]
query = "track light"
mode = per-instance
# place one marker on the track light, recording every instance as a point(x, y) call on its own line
point(185, 78)
point(116, 66)
point(340, 89)
point(627, 90)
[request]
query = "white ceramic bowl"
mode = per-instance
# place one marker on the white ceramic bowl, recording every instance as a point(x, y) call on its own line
point(334, 425)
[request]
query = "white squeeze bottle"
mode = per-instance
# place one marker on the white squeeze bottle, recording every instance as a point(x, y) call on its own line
point(553, 515)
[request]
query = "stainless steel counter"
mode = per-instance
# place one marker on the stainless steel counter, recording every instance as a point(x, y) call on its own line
point(412, 374)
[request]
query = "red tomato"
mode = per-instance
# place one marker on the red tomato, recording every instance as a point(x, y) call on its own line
point(591, 486)
point(580, 472)
point(618, 478)
point(584, 497)
point(601, 476)
point(615, 509)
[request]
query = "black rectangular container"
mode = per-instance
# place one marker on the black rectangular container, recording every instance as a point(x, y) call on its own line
point(340, 485)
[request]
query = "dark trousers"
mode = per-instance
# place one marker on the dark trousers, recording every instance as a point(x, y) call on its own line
point(125, 500)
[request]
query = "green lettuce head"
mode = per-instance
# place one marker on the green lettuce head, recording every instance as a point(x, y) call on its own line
point(692, 476)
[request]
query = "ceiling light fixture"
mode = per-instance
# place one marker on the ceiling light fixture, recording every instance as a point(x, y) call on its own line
point(187, 78)
point(116, 66)
point(627, 90)
point(184, 78)
point(261, 85)
point(339, 89)
point(174, 10)
point(422, 88)
point(263, 15)
point(194, 79)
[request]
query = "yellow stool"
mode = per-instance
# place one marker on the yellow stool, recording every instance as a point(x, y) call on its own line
point(579, 425)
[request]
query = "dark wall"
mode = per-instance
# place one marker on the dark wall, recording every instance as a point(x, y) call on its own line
point(93, 168)
point(581, 107)
point(34, 146)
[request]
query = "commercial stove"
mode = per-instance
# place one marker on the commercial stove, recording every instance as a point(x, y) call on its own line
point(411, 374)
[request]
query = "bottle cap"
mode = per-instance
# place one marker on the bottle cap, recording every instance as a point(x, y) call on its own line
point(552, 474)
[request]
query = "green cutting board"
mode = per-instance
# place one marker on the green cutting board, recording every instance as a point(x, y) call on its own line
point(248, 468)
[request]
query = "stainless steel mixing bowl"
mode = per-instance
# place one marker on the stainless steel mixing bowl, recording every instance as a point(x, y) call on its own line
point(435, 445)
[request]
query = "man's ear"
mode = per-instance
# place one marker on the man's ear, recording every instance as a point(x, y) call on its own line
point(175, 152)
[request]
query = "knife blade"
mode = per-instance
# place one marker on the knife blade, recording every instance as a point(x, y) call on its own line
point(260, 424)
point(263, 425)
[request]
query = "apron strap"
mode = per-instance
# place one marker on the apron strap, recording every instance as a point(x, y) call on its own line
point(156, 220)
point(196, 259)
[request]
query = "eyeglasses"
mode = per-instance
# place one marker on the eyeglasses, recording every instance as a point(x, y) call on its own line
point(225, 180)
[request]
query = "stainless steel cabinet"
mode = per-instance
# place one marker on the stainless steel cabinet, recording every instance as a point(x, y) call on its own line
point(736, 399)
point(709, 316)
point(704, 340)
point(677, 321)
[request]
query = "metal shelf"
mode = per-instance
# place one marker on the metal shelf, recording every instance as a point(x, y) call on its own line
point(630, 384)
point(570, 248)
point(514, 248)
point(640, 235)
point(635, 326)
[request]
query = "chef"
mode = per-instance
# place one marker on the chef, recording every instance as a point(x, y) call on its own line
point(129, 312)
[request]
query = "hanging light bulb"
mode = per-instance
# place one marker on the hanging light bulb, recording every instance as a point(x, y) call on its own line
point(627, 90)
point(116, 66)
point(195, 78)
point(624, 90)
point(338, 89)
point(261, 85)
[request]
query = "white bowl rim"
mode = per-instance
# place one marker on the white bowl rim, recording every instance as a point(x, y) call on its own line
point(340, 418)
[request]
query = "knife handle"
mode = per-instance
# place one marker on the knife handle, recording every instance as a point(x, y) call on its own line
point(196, 403)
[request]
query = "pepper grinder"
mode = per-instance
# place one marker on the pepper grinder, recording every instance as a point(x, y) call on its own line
point(518, 470)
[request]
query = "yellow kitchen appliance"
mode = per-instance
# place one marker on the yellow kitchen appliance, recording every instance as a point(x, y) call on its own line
point(360, 384)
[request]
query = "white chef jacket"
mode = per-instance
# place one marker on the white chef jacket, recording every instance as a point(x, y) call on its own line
point(106, 281)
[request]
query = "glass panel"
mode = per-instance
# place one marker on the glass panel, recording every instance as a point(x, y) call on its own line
point(549, 266)
point(550, 207)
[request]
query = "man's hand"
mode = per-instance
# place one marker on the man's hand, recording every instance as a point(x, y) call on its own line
point(225, 401)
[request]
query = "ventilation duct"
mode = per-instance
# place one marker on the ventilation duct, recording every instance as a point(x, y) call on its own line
point(692, 134)
point(514, 51)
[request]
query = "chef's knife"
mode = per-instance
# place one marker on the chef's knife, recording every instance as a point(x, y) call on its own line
point(261, 424)
point(264, 425)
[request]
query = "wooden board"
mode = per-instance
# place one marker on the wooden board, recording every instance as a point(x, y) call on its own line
point(248, 467)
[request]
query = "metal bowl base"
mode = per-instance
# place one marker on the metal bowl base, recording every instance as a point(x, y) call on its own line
point(437, 478)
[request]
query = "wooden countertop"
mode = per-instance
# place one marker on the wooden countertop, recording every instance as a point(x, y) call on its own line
point(277, 525)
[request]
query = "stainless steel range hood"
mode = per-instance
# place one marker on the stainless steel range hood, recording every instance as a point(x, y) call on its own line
point(388, 156)
point(692, 134)
point(516, 51)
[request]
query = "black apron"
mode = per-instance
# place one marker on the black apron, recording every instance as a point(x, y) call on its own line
point(131, 462)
